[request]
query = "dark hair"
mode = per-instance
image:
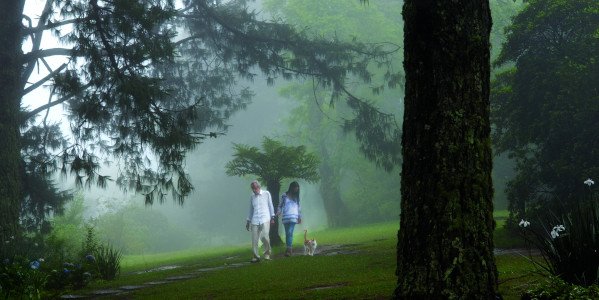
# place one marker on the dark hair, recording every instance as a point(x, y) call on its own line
point(290, 191)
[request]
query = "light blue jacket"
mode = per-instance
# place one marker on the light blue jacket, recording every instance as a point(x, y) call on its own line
point(289, 209)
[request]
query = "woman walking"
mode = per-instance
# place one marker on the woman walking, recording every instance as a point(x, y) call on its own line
point(290, 210)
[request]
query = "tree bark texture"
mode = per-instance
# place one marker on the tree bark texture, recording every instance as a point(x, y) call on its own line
point(274, 187)
point(10, 83)
point(445, 241)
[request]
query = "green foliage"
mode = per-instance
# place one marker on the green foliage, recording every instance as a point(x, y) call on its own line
point(67, 235)
point(570, 248)
point(91, 244)
point(373, 122)
point(20, 278)
point(274, 163)
point(556, 288)
point(94, 260)
point(348, 174)
point(363, 180)
point(136, 229)
point(545, 104)
point(68, 275)
point(502, 13)
point(144, 82)
point(71, 257)
point(108, 261)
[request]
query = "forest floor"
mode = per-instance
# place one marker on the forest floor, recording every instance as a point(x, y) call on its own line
point(325, 250)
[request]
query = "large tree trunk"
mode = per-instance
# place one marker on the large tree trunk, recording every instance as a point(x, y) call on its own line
point(334, 207)
point(10, 95)
point(274, 187)
point(445, 241)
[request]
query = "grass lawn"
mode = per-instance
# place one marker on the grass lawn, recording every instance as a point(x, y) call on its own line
point(364, 268)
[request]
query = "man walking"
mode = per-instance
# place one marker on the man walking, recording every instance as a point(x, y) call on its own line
point(261, 215)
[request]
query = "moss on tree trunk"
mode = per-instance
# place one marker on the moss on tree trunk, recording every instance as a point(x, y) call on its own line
point(445, 242)
point(10, 66)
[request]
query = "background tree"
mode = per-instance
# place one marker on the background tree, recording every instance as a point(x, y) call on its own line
point(275, 163)
point(545, 104)
point(445, 240)
point(142, 83)
point(347, 175)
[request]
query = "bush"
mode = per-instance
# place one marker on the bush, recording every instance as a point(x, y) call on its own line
point(69, 275)
point(108, 261)
point(20, 278)
point(555, 288)
point(570, 244)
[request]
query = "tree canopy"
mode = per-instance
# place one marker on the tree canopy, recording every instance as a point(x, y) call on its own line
point(274, 163)
point(545, 103)
point(142, 83)
point(346, 173)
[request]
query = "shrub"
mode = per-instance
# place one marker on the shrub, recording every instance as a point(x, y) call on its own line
point(570, 244)
point(20, 278)
point(69, 275)
point(555, 288)
point(108, 261)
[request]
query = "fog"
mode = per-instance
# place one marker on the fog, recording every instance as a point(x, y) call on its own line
point(215, 212)
point(219, 204)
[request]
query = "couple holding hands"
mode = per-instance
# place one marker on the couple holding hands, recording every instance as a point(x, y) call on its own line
point(262, 214)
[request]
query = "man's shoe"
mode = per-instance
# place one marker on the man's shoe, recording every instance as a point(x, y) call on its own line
point(267, 257)
point(255, 260)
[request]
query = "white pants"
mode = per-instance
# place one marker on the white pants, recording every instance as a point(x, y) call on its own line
point(260, 232)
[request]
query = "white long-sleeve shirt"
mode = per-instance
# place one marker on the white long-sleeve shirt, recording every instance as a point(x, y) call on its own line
point(261, 209)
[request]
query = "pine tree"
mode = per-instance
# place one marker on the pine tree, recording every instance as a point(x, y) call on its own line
point(143, 82)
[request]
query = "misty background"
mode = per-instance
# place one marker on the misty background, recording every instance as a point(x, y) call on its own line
point(215, 212)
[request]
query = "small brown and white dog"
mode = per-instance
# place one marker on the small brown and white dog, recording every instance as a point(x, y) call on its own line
point(309, 245)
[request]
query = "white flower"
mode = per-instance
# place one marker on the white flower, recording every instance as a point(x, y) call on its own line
point(556, 230)
point(589, 182)
point(524, 223)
